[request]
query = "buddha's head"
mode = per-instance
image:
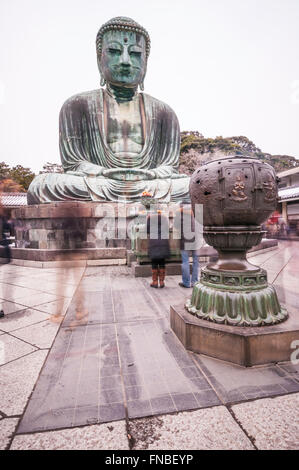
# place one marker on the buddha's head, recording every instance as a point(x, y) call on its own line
point(123, 47)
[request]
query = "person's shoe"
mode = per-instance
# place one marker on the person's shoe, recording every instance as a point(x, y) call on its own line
point(183, 285)
point(154, 282)
point(1, 314)
point(161, 277)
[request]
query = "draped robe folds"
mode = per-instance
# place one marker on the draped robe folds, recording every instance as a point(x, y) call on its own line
point(82, 139)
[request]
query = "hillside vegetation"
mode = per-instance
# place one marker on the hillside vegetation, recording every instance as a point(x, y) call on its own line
point(197, 150)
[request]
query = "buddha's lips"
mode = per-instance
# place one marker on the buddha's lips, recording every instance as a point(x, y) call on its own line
point(126, 70)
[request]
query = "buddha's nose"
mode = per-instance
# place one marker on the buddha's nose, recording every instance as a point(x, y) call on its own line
point(125, 58)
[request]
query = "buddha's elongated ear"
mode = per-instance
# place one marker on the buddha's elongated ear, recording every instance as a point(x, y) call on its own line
point(141, 84)
point(103, 81)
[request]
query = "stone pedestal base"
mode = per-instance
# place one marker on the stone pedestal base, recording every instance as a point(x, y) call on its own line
point(74, 225)
point(73, 233)
point(240, 345)
point(236, 298)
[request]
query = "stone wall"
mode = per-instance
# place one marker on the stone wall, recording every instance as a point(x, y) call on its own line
point(74, 225)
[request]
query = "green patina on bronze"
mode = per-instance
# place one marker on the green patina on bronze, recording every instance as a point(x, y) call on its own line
point(116, 143)
point(238, 194)
point(236, 299)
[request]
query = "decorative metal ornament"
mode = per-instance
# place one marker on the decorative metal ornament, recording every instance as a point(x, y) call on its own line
point(238, 194)
point(103, 81)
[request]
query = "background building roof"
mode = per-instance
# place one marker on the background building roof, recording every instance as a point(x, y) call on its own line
point(288, 193)
point(292, 171)
point(13, 199)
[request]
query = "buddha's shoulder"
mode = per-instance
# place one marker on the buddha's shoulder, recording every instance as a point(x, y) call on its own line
point(81, 98)
point(158, 104)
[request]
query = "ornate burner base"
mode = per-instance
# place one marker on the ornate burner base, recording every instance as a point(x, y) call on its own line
point(241, 298)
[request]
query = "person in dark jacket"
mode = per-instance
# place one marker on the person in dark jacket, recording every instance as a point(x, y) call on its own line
point(158, 245)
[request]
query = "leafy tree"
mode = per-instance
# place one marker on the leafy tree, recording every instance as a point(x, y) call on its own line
point(195, 147)
point(22, 175)
point(4, 170)
point(9, 186)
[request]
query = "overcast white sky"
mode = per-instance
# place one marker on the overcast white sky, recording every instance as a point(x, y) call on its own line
point(227, 67)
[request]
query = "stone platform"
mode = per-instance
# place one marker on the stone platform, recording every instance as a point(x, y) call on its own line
point(246, 346)
point(66, 258)
point(73, 234)
point(74, 225)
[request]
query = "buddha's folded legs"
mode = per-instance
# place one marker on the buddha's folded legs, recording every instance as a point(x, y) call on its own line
point(50, 187)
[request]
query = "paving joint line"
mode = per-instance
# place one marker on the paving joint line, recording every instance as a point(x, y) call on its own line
point(117, 322)
point(281, 269)
point(129, 437)
point(229, 405)
point(20, 357)
point(251, 438)
point(24, 341)
point(23, 328)
point(13, 435)
point(207, 378)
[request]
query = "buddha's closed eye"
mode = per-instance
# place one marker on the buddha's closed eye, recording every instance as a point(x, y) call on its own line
point(114, 51)
point(135, 53)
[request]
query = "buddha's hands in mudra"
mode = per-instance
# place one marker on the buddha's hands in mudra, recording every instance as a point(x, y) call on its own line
point(129, 174)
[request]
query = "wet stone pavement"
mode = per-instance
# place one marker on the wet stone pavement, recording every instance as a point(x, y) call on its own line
point(115, 357)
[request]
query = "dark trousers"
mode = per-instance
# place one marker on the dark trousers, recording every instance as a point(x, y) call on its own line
point(5, 250)
point(158, 263)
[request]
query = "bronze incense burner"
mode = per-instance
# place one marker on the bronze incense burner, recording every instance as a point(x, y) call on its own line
point(238, 194)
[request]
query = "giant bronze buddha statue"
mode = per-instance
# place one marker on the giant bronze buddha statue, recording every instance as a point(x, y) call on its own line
point(116, 143)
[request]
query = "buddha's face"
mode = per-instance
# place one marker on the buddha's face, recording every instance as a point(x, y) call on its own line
point(123, 58)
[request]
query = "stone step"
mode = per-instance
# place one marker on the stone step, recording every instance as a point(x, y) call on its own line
point(32, 254)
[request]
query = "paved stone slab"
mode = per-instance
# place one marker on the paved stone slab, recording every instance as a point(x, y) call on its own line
point(21, 319)
point(72, 278)
point(165, 297)
point(10, 307)
point(111, 436)
point(13, 293)
point(36, 300)
point(90, 308)
point(59, 289)
point(235, 383)
point(12, 348)
point(56, 307)
point(72, 390)
point(7, 428)
point(41, 334)
point(273, 423)
point(84, 377)
point(292, 369)
point(43, 284)
point(17, 380)
point(159, 375)
point(113, 296)
point(209, 429)
point(288, 297)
